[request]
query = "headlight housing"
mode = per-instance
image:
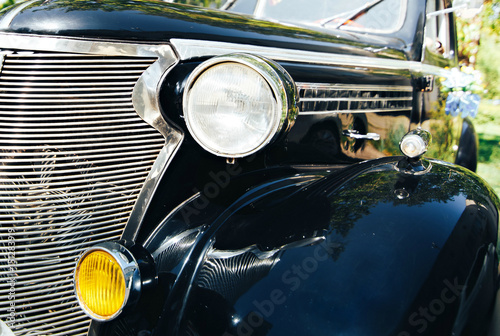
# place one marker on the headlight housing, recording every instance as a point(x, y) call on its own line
point(107, 278)
point(415, 143)
point(236, 104)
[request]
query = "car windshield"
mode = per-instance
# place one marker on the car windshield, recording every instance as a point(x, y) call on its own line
point(379, 16)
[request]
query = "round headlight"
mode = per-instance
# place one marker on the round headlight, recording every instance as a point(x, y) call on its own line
point(106, 277)
point(236, 104)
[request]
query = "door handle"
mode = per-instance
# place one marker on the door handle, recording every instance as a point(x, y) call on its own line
point(356, 135)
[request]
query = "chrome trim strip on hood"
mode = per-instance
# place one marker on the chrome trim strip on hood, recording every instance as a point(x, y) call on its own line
point(189, 49)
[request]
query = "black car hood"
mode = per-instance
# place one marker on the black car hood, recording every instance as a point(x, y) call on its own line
point(156, 21)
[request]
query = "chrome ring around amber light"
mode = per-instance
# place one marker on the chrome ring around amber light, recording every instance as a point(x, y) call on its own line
point(280, 83)
point(129, 270)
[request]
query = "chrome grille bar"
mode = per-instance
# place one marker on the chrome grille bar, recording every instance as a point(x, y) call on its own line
point(63, 69)
point(88, 139)
point(62, 78)
point(63, 146)
point(74, 157)
point(76, 123)
point(41, 287)
point(64, 95)
point(86, 157)
point(92, 87)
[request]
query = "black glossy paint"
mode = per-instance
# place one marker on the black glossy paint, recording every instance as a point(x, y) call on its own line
point(467, 153)
point(388, 254)
point(159, 21)
point(316, 252)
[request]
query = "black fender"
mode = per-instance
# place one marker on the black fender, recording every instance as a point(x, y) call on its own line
point(369, 249)
point(467, 154)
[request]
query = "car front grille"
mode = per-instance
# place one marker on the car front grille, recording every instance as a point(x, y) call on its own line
point(74, 156)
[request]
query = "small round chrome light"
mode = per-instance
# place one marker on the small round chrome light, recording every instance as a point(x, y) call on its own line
point(107, 278)
point(236, 104)
point(415, 143)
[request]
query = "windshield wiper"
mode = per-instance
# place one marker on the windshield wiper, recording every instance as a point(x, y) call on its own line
point(227, 5)
point(350, 15)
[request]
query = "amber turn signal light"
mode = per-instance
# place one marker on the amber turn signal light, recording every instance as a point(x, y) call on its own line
point(106, 277)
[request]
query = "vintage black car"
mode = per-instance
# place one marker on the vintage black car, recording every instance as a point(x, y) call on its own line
point(271, 167)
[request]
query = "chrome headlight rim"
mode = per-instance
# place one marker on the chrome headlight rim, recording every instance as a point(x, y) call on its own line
point(415, 143)
point(130, 270)
point(282, 87)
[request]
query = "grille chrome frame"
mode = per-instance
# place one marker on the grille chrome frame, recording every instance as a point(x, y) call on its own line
point(107, 148)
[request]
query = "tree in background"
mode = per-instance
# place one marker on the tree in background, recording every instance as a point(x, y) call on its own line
point(487, 59)
point(479, 41)
point(5, 3)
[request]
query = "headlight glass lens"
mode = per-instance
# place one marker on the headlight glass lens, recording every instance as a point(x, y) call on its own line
point(415, 143)
point(100, 284)
point(232, 110)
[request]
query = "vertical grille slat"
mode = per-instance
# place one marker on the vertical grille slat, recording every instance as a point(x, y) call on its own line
point(74, 157)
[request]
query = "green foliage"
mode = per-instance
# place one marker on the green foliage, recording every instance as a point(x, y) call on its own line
point(478, 43)
point(468, 35)
point(490, 17)
point(489, 172)
point(489, 64)
point(202, 3)
point(488, 118)
point(487, 58)
point(488, 128)
point(6, 3)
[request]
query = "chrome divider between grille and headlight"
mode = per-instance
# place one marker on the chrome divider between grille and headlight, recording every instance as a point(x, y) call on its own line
point(146, 103)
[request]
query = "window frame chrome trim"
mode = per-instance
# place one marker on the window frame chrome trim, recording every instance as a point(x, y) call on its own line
point(145, 98)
